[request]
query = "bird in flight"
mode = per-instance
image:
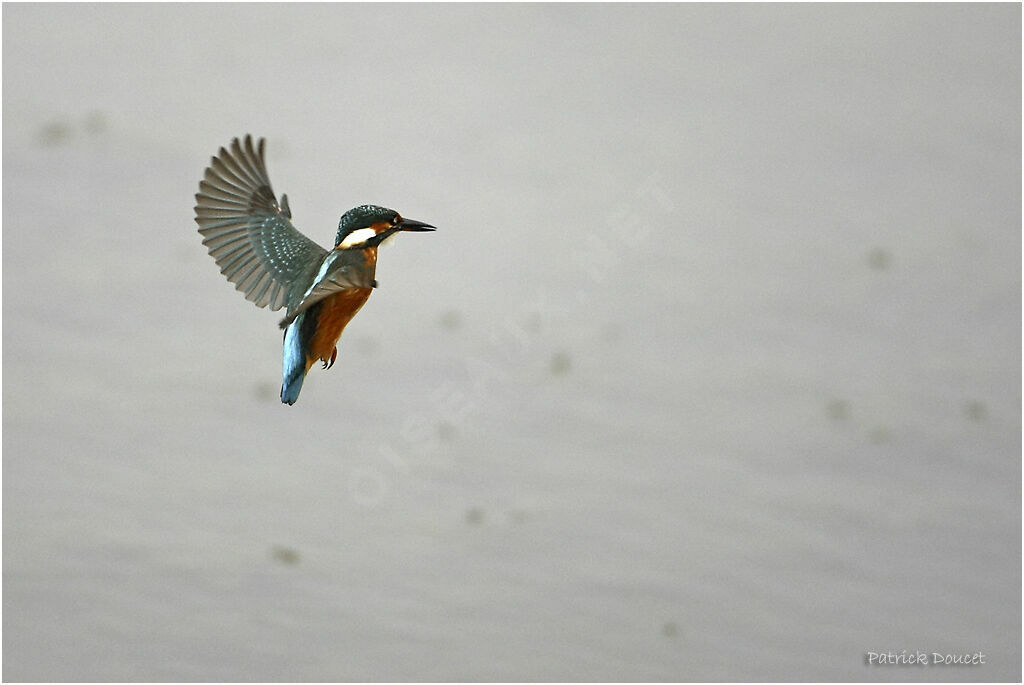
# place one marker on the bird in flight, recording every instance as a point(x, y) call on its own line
point(251, 236)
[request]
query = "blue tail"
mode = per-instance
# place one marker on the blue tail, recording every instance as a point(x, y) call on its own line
point(294, 361)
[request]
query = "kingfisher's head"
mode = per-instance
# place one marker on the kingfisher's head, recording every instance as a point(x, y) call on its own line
point(369, 225)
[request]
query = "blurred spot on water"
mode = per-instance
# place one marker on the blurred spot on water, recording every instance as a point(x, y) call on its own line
point(450, 320)
point(474, 516)
point(838, 410)
point(879, 259)
point(284, 555)
point(669, 629)
point(976, 411)
point(54, 133)
point(879, 435)
point(446, 431)
point(95, 123)
point(517, 516)
point(560, 364)
point(265, 391)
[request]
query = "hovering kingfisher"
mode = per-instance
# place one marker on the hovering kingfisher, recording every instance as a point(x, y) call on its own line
point(257, 248)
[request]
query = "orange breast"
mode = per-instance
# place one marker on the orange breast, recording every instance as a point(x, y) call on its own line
point(335, 313)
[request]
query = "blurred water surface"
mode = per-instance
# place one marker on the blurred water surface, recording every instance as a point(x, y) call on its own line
point(711, 371)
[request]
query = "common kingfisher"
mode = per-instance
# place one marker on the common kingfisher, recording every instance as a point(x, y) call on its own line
point(251, 236)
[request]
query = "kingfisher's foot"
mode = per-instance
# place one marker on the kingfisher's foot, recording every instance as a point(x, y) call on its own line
point(334, 355)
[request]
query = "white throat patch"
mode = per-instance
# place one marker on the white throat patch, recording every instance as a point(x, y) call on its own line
point(357, 237)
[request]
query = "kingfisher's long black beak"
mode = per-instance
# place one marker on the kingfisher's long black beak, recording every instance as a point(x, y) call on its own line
point(413, 225)
point(403, 225)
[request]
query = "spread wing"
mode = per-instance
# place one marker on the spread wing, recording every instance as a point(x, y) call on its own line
point(248, 232)
point(341, 270)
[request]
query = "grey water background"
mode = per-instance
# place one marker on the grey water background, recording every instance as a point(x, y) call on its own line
point(711, 371)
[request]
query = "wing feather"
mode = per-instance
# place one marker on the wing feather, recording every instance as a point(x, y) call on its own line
point(341, 271)
point(219, 195)
point(248, 233)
